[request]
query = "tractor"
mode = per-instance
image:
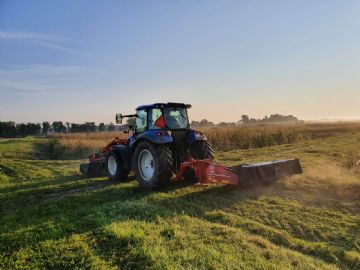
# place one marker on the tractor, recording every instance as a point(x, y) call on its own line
point(163, 143)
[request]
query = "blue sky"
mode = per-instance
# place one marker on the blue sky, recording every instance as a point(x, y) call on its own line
point(86, 60)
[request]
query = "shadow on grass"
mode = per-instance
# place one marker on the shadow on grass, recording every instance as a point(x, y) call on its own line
point(123, 202)
point(42, 183)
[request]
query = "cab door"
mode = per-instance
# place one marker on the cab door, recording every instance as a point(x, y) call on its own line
point(141, 121)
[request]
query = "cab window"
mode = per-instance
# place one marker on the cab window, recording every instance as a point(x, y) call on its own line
point(176, 118)
point(141, 120)
point(154, 115)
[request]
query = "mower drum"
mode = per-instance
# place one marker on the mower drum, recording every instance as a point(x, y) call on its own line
point(208, 172)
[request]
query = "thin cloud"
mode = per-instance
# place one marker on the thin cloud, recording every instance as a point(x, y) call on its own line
point(7, 35)
point(58, 47)
point(47, 80)
point(44, 40)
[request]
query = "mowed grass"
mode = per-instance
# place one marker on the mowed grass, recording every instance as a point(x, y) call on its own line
point(53, 218)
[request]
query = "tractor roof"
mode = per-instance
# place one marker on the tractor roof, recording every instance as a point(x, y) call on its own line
point(169, 104)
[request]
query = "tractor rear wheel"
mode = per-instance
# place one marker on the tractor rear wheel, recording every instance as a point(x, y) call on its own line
point(201, 150)
point(114, 167)
point(153, 164)
point(198, 150)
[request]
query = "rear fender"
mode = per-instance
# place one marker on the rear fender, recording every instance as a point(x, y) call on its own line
point(196, 136)
point(125, 155)
point(156, 136)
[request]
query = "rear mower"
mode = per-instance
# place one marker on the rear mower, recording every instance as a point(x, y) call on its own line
point(163, 143)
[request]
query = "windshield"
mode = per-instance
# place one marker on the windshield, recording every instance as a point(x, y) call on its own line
point(154, 114)
point(176, 117)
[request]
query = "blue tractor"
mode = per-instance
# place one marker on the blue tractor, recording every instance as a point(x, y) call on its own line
point(161, 141)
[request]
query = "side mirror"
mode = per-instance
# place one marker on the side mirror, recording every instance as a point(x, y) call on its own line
point(118, 118)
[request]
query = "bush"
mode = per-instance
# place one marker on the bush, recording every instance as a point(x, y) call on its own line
point(56, 149)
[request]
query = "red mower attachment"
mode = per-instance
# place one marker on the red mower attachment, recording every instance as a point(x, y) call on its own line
point(208, 172)
point(95, 166)
point(115, 141)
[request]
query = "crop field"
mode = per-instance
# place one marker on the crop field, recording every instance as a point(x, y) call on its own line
point(79, 145)
point(54, 218)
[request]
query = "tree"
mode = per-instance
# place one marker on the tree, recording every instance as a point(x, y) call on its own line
point(45, 127)
point(111, 127)
point(21, 130)
point(67, 126)
point(74, 127)
point(253, 121)
point(245, 119)
point(58, 126)
point(33, 129)
point(205, 123)
point(195, 123)
point(7, 129)
point(90, 127)
point(101, 127)
point(222, 124)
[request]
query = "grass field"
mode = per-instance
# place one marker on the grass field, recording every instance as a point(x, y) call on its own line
point(53, 218)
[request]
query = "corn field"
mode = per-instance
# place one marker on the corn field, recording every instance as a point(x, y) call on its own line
point(80, 145)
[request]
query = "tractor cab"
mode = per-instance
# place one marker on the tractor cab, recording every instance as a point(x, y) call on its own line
point(167, 116)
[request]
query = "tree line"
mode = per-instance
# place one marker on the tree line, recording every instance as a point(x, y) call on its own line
point(10, 129)
point(248, 121)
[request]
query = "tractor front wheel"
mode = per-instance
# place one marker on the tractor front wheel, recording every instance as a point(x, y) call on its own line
point(114, 167)
point(153, 164)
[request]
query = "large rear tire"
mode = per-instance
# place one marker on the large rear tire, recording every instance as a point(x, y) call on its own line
point(153, 164)
point(201, 150)
point(198, 150)
point(114, 167)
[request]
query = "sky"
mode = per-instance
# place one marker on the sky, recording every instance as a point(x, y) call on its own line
point(83, 61)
